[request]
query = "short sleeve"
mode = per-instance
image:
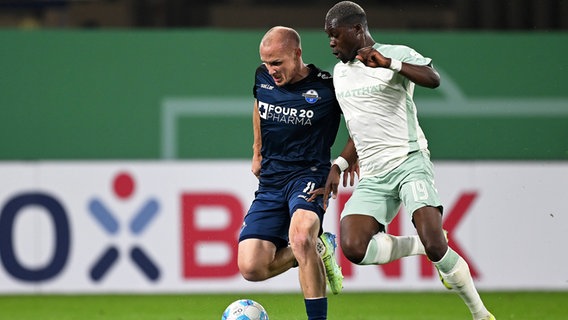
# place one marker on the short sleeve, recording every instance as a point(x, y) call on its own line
point(403, 53)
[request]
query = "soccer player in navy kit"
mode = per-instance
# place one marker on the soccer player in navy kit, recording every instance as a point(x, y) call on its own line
point(295, 121)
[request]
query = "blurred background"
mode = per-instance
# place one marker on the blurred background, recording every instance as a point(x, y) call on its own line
point(108, 71)
point(388, 14)
point(125, 131)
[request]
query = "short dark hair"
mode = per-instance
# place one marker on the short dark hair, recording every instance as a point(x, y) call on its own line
point(347, 13)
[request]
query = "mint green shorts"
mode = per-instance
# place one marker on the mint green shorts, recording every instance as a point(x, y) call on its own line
point(411, 184)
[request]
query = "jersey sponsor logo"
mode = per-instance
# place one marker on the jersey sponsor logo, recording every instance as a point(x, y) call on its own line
point(285, 114)
point(311, 96)
point(363, 91)
point(266, 86)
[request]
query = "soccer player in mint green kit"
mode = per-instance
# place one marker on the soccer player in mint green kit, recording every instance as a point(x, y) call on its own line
point(374, 85)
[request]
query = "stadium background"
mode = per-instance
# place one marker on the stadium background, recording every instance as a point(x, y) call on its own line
point(96, 74)
point(92, 89)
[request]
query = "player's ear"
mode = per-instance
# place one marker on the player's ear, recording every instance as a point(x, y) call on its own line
point(298, 52)
point(359, 30)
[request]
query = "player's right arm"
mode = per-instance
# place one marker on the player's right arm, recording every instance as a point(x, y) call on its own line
point(257, 141)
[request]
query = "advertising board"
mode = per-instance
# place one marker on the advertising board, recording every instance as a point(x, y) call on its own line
point(172, 226)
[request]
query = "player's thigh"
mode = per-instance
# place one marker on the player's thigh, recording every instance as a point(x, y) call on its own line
point(306, 215)
point(268, 219)
point(357, 230)
point(255, 253)
point(417, 189)
point(375, 197)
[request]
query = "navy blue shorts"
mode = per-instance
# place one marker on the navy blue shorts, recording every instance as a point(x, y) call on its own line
point(270, 212)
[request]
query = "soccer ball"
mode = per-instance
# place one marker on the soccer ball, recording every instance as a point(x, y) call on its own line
point(245, 309)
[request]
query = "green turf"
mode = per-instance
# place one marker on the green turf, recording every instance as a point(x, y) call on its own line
point(347, 306)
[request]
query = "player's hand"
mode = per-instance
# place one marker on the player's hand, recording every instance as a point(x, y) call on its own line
point(349, 174)
point(256, 163)
point(315, 193)
point(331, 185)
point(372, 58)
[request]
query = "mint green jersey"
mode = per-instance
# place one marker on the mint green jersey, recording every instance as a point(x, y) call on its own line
point(379, 110)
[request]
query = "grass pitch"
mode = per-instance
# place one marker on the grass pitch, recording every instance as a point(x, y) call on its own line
point(346, 306)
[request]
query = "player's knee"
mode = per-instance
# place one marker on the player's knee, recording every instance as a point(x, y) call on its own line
point(252, 274)
point(300, 244)
point(353, 249)
point(435, 250)
point(251, 271)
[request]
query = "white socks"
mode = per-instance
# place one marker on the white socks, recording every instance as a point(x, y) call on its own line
point(384, 248)
point(459, 277)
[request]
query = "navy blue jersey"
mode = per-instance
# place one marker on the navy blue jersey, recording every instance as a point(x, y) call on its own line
point(298, 126)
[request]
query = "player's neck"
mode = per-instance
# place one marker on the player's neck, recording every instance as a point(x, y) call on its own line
point(302, 73)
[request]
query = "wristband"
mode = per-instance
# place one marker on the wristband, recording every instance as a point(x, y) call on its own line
point(341, 163)
point(396, 65)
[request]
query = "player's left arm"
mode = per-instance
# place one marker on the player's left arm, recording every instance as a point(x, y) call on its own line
point(425, 76)
point(422, 75)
